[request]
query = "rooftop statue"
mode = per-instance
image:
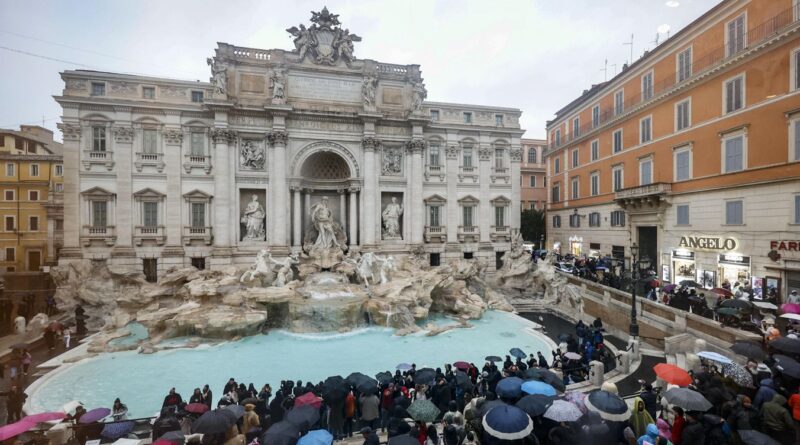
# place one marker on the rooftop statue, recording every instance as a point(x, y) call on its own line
point(324, 42)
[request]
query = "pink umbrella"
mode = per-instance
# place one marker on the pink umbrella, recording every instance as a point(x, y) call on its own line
point(576, 397)
point(790, 308)
point(43, 417)
point(15, 429)
point(308, 399)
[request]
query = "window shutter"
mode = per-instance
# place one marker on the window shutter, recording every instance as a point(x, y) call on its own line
point(797, 140)
point(797, 209)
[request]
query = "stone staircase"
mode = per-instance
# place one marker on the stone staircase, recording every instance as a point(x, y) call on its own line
point(528, 303)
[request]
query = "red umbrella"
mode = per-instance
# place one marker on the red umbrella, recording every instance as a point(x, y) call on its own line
point(163, 442)
point(44, 417)
point(15, 429)
point(308, 399)
point(461, 365)
point(672, 374)
point(721, 291)
point(196, 408)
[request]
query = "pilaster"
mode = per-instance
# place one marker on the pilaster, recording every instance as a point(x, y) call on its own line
point(223, 205)
point(123, 153)
point(417, 206)
point(485, 214)
point(369, 198)
point(516, 158)
point(451, 217)
point(173, 219)
point(71, 136)
point(278, 139)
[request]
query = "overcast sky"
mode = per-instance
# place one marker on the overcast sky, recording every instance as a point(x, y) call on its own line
point(536, 55)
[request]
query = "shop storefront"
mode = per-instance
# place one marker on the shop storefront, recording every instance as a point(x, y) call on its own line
point(576, 245)
point(734, 268)
point(683, 265)
point(594, 250)
point(709, 260)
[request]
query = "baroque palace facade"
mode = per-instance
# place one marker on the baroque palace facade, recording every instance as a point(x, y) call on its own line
point(162, 173)
point(692, 152)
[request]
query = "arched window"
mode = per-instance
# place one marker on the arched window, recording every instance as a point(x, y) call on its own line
point(532, 155)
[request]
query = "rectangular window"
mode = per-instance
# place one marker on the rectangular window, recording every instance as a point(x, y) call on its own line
point(595, 116)
point(736, 34)
point(198, 214)
point(99, 138)
point(617, 218)
point(575, 158)
point(645, 130)
point(498, 120)
point(467, 215)
point(499, 216)
point(619, 102)
point(684, 64)
point(34, 169)
point(683, 114)
point(683, 214)
point(11, 169)
point(11, 254)
point(574, 220)
point(149, 141)
point(433, 216)
point(9, 195)
point(594, 219)
point(149, 92)
point(595, 149)
point(795, 142)
point(433, 152)
point(576, 127)
point(556, 193)
point(197, 96)
point(532, 155)
point(795, 68)
point(574, 187)
point(645, 171)
point(33, 224)
point(150, 214)
point(466, 156)
point(11, 224)
point(619, 182)
point(797, 209)
point(556, 221)
point(734, 214)
point(98, 89)
point(595, 183)
point(33, 195)
point(59, 187)
point(467, 117)
point(19, 144)
point(99, 213)
point(647, 86)
point(617, 142)
point(499, 154)
point(683, 164)
point(557, 165)
point(733, 154)
point(435, 115)
point(558, 137)
point(198, 147)
point(59, 170)
point(532, 181)
point(734, 94)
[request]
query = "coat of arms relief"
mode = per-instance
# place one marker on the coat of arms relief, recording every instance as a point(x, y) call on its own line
point(324, 42)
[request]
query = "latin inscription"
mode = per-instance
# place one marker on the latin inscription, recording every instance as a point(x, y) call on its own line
point(392, 96)
point(319, 88)
point(252, 83)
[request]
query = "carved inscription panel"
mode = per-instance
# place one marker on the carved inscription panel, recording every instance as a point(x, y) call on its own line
point(322, 88)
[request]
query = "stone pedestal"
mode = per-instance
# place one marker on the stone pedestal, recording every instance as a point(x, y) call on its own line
point(596, 373)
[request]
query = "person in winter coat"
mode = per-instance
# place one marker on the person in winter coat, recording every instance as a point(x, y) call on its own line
point(251, 424)
point(693, 432)
point(640, 418)
point(677, 425)
point(776, 420)
point(650, 435)
point(764, 393)
point(370, 410)
point(197, 396)
point(650, 399)
point(119, 411)
point(208, 397)
point(744, 420)
point(173, 399)
point(165, 423)
point(276, 411)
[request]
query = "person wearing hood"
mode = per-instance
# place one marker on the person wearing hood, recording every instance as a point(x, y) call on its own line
point(650, 436)
point(640, 418)
point(165, 423)
point(119, 411)
point(744, 420)
point(208, 396)
point(251, 424)
point(777, 421)
point(693, 432)
point(276, 411)
point(764, 394)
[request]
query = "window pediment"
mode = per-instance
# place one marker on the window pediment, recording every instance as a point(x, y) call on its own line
point(500, 201)
point(98, 193)
point(197, 196)
point(435, 200)
point(148, 194)
point(468, 200)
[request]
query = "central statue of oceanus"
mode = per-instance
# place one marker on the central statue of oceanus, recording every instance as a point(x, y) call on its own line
point(325, 239)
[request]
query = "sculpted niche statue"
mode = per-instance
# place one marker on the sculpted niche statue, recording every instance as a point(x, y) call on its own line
point(322, 219)
point(253, 219)
point(368, 87)
point(391, 219)
point(251, 156)
point(418, 95)
point(219, 77)
point(278, 87)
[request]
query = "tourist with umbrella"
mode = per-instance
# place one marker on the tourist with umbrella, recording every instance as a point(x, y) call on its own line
point(173, 399)
point(507, 422)
point(369, 405)
point(15, 398)
point(281, 433)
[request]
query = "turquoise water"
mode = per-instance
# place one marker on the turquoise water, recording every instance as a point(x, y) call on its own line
point(137, 333)
point(142, 380)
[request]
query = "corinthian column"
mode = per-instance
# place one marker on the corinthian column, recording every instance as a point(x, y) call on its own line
point(370, 227)
point(297, 224)
point(173, 221)
point(223, 206)
point(516, 158)
point(416, 206)
point(71, 134)
point(343, 208)
point(278, 185)
point(353, 224)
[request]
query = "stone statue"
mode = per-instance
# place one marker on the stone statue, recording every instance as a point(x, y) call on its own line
point(253, 219)
point(284, 274)
point(387, 266)
point(391, 219)
point(368, 87)
point(343, 42)
point(219, 76)
point(260, 268)
point(365, 265)
point(278, 87)
point(324, 42)
point(322, 219)
point(251, 156)
point(392, 162)
point(303, 41)
point(418, 95)
point(19, 325)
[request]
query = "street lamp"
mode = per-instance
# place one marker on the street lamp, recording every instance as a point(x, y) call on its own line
point(634, 328)
point(541, 242)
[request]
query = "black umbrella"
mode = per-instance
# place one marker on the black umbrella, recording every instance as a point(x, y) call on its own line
point(368, 386)
point(356, 378)
point(281, 433)
point(787, 365)
point(303, 417)
point(610, 406)
point(335, 388)
point(736, 303)
point(535, 404)
point(786, 344)
point(424, 376)
point(493, 358)
point(384, 377)
point(237, 410)
point(403, 439)
point(212, 422)
point(687, 399)
point(173, 436)
point(543, 375)
point(565, 337)
point(691, 283)
point(488, 405)
point(402, 401)
point(463, 381)
point(517, 352)
point(249, 401)
point(749, 349)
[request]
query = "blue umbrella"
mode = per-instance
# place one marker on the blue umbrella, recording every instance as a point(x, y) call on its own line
point(517, 352)
point(509, 387)
point(537, 387)
point(403, 366)
point(116, 430)
point(507, 422)
point(316, 437)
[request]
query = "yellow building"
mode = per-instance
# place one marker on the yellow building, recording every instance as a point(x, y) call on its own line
point(31, 199)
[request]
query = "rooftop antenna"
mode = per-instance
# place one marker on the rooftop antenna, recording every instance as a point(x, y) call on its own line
point(655, 42)
point(631, 45)
point(604, 69)
point(615, 68)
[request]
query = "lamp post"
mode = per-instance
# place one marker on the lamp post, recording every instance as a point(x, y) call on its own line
point(541, 242)
point(634, 328)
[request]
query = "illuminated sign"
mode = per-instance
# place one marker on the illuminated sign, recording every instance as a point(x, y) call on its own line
point(785, 245)
point(708, 243)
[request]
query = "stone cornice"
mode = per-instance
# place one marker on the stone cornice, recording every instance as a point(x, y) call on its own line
point(223, 135)
point(26, 157)
point(278, 137)
point(416, 145)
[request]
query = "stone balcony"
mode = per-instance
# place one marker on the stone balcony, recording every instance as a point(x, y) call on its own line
point(500, 233)
point(469, 233)
point(105, 234)
point(644, 196)
point(93, 157)
point(149, 159)
point(501, 175)
point(468, 173)
point(197, 161)
point(435, 172)
point(155, 234)
point(435, 234)
point(197, 233)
